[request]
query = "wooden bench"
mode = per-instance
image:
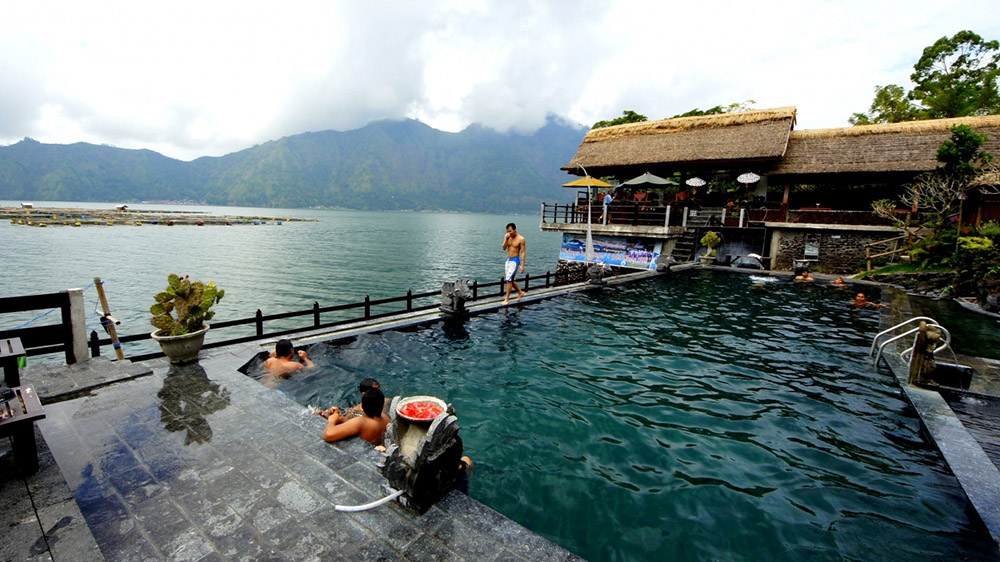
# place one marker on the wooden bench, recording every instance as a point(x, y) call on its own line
point(18, 412)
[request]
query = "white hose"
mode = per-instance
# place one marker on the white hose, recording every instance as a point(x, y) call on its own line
point(371, 505)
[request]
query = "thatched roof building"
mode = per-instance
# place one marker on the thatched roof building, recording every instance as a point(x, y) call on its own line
point(709, 141)
point(763, 141)
point(894, 149)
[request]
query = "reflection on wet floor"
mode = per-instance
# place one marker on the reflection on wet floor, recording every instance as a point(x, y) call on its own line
point(200, 462)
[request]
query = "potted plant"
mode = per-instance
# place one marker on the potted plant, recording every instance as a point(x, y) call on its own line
point(710, 240)
point(181, 314)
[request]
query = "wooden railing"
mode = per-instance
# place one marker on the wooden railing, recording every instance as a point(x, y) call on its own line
point(49, 338)
point(369, 309)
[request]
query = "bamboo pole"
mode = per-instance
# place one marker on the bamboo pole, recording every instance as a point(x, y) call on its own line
point(109, 322)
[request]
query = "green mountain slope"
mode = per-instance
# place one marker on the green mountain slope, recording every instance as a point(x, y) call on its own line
point(387, 165)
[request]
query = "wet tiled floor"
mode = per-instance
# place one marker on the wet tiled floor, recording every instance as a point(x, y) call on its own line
point(202, 463)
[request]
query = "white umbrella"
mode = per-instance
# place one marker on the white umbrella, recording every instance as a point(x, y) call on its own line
point(695, 182)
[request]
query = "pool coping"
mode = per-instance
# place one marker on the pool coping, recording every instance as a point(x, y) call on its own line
point(977, 475)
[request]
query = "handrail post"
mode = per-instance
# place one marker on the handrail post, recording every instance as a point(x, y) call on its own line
point(475, 289)
point(95, 347)
point(868, 257)
point(543, 212)
point(527, 278)
point(548, 276)
point(502, 282)
point(409, 300)
point(368, 307)
point(259, 323)
point(666, 220)
point(315, 314)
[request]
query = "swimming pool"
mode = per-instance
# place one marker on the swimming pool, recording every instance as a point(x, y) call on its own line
point(694, 417)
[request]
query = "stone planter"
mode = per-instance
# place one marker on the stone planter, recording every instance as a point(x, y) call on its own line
point(182, 349)
point(707, 259)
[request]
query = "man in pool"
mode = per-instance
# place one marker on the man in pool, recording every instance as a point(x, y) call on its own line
point(356, 410)
point(805, 277)
point(861, 301)
point(370, 426)
point(281, 364)
point(516, 248)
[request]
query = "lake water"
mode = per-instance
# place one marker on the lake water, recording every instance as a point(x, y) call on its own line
point(274, 268)
point(688, 418)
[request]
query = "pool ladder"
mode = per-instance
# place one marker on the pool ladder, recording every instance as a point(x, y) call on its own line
point(907, 354)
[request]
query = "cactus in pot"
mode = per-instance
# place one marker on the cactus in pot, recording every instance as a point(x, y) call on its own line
point(184, 306)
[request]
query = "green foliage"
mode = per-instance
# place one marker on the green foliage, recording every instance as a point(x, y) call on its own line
point(628, 116)
point(960, 154)
point(711, 239)
point(955, 77)
point(735, 107)
point(990, 229)
point(977, 259)
point(936, 250)
point(891, 105)
point(184, 306)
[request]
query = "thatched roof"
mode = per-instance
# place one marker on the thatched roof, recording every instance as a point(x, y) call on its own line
point(890, 148)
point(749, 136)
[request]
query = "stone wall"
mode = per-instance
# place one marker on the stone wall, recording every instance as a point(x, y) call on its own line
point(840, 251)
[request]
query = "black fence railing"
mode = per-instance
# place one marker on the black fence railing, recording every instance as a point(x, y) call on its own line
point(370, 309)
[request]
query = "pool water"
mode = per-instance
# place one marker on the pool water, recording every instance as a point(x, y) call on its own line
point(971, 333)
point(694, 417)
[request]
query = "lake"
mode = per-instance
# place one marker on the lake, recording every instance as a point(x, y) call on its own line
point(274, 268)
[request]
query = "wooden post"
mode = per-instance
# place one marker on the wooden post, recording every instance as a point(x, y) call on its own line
point(95, 348)
point(409, 300)
point(315, 313)
point(259, 322)
point(917, 357)
point(868, 257)
point(368, 307)
point(475, 289)
point(107, 321)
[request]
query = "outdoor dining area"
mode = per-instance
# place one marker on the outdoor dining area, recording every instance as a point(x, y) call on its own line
point(646, 200)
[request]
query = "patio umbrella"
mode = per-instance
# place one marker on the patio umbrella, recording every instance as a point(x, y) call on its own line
point(696, 182)
point(648, 179)
point(587, 182)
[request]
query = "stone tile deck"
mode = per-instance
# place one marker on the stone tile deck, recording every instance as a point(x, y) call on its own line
point(200, 462)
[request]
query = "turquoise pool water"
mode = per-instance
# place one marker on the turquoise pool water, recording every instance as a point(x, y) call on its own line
point(695, 417)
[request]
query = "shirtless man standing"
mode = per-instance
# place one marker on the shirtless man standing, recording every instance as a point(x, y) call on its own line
point(516, 247)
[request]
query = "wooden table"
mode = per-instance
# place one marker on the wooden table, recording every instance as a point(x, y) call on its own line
point(17, 420)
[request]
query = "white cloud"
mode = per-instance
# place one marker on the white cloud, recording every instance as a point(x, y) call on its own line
point(194, 78)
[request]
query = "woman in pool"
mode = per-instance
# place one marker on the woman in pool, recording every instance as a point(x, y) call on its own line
point(860, 301)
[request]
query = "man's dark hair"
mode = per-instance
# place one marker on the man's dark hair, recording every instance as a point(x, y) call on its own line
point(367, 384)
point(283, 348)
point(511, 225)
point(372, 402)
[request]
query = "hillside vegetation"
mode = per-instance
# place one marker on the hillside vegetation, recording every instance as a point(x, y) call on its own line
point(388, 165)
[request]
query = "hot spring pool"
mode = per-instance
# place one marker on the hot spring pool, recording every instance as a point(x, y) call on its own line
point(694, 417)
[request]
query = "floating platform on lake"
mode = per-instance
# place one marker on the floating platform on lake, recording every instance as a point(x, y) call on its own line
point(112, 217)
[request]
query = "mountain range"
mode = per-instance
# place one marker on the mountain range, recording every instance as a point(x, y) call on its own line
point(386, 165)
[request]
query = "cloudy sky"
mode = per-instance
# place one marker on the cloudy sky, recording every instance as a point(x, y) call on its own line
point(191, 78)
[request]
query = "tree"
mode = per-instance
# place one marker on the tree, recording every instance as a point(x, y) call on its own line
point(957, 76)
point(954, 77)
point(628, 116)
point(735, 107)
point(961, 156)
point(891, 105)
